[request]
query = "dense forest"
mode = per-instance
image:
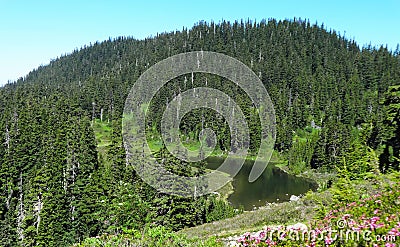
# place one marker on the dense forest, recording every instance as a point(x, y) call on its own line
point(59, 185)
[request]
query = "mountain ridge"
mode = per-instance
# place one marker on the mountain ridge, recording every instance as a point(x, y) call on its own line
point(56, 190)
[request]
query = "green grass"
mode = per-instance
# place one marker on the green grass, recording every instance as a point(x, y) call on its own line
point(102, 132)
point(369, 205)
point(150, 236)
point(281, 213)
point(304, 135)
point(273, 214)
point(310, 208)
point(154, 145)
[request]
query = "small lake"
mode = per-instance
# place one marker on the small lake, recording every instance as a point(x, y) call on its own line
point(273, 185)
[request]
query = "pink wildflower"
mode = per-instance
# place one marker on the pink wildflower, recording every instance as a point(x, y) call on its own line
point(262, 235)
point(282, 236)
point(394, 232)
point(270, 242)
point(376, 195)
point(241, 240)
point(328, 240)
point(346, 216)
point(380, 225)
point(351, 223)
point(375, 219)
point(351, 204)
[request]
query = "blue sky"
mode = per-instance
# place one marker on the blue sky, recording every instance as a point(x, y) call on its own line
point(34, 32)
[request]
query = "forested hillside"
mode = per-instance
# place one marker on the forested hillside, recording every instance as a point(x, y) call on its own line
point(335, 102)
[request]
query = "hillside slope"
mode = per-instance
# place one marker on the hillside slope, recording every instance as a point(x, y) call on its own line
point(55, 188)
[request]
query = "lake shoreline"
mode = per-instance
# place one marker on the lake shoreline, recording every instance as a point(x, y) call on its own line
point(321, 179)
point(277, 167)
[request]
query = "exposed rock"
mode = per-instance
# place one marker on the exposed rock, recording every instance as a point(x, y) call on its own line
point(294, 198)
point(233, 243)
point(298, 227)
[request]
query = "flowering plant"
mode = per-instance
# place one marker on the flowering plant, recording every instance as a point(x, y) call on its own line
point(372, 221)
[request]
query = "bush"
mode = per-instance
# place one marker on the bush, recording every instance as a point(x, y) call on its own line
point(370, 221)
point(153, 236)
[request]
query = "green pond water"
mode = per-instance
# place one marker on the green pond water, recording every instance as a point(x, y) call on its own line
point(273, 185)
